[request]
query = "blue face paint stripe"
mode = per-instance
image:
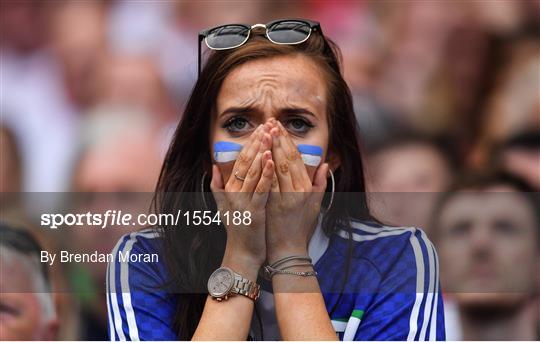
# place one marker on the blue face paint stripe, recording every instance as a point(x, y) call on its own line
point(227, 146)
point(310, 149)
point(225, 151)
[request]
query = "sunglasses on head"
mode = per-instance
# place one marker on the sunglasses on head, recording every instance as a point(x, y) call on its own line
point(283, 31)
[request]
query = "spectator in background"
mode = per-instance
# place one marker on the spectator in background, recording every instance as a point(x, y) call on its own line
point(34, 103)
point(513, 105)
point(119, 151)
point(133, 80)
point(27, 309)
point(10, 165)
point(404, 176)
point(167, 31)
point(78, 41)
point(117, 169)
point(10, 178)
point(487, 232)
point(520, 155)
point(467, 69)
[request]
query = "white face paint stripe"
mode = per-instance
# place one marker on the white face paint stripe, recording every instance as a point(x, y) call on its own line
point(311, 160)
point(225, 152)
point(225, 157)
point(311, 154)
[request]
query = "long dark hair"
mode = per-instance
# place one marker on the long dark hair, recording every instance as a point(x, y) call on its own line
point(192, 254)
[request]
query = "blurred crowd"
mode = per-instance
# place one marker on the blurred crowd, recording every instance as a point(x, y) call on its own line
point(446, 93)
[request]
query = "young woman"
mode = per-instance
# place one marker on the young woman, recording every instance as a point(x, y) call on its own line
point(269, 119)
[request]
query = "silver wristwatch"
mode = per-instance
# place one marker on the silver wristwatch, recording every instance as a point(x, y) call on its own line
point(224, 282)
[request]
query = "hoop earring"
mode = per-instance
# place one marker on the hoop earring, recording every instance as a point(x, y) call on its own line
point(202, 190)
point(333, 191)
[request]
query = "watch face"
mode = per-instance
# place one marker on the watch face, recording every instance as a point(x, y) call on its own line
point(220, 282)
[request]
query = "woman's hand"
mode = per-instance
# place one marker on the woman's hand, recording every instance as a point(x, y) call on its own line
point(292, 212)
point(246, 246)
point(294, 203)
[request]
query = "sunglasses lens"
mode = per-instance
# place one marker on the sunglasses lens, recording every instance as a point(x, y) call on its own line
point(226, 37)
point(289, 32)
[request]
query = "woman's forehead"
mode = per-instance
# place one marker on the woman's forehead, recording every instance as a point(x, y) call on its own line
point(294, 79)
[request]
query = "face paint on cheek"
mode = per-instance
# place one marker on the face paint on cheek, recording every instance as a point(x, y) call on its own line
point(311, 154)
point(225, 152)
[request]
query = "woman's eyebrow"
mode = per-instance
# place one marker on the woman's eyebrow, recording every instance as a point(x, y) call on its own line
point(255, 111)
point(238, 110)
point(296, 110)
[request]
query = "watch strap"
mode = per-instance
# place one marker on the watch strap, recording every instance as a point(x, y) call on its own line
point(246, 287)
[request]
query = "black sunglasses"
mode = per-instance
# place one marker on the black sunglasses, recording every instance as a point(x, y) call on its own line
point(283, 31)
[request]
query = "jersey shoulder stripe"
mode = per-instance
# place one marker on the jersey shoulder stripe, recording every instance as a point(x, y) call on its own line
point(408, 264)
point(121, 315)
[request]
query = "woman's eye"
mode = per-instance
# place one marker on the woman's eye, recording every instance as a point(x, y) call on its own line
point(237, 125)
point(297, 125)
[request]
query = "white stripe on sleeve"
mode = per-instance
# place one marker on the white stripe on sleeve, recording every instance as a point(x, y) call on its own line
point(419, 257)
point(352, 327)
point(431, 288)
point(114, 299)
point(126, 293)
point(339, 326)
point(112, 334)
point(433, 324)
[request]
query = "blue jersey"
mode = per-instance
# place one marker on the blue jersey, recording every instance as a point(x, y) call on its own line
point(391, 292)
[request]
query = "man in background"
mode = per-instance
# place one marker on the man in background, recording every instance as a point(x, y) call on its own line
point(405, 175)
point(118, 164)
point(488, 236)
point(520, 156)
point(27, 309)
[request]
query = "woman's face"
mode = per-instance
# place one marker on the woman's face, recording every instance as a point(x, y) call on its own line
point(290, 89)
